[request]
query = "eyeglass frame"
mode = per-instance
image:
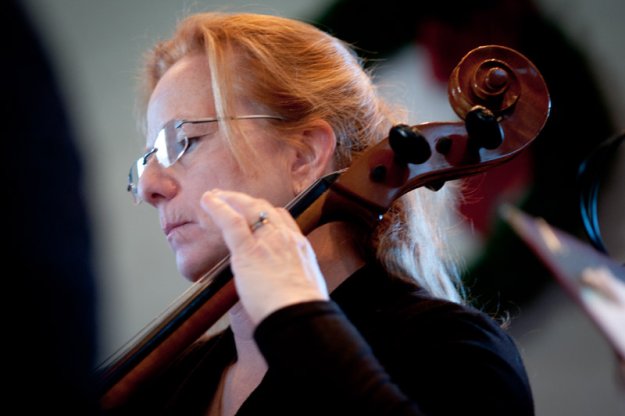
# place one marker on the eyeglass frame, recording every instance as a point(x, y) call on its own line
point(132, 186)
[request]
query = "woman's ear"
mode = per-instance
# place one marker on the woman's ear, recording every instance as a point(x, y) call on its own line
point(313, 154)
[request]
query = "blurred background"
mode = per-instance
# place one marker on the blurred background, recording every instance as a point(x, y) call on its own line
point(96, 47)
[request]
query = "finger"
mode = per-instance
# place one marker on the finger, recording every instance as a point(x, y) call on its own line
point(232, 224)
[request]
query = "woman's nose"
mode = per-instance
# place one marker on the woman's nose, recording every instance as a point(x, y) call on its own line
point(156, 183)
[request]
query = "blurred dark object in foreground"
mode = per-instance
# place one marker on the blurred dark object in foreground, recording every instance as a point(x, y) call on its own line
point(51, 334)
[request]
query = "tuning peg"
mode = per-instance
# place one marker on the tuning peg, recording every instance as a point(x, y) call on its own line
point(483, 128)
point(409, 145)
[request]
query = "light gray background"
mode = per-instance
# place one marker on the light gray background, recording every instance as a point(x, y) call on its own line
point(96, 47)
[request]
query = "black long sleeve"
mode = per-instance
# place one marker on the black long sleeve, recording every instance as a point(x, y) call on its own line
point(391, 351)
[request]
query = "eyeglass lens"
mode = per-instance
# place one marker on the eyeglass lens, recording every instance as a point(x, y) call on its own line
point(169, 145)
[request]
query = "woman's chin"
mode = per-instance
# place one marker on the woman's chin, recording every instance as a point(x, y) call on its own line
point(193, 269)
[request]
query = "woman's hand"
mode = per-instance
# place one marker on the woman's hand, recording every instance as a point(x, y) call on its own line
point(274, 265)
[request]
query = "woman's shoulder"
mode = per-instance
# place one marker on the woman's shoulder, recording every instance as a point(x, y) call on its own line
point(434, 346)
point(374, 301)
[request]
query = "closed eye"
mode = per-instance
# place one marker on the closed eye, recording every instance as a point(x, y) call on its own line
point(193, 142)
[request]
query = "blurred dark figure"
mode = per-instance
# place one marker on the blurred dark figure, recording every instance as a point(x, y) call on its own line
point(542, 181)
point(51, 336)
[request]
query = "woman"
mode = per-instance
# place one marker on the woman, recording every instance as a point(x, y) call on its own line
point(244, 112)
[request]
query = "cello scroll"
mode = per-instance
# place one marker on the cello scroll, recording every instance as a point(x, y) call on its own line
point(504, 102)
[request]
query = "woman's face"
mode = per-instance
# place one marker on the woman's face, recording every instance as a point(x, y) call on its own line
point(184, 92)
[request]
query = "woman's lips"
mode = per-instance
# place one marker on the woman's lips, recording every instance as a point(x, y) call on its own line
point(170, 228)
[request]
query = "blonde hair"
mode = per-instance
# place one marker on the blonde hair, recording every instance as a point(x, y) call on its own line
point(294, 70)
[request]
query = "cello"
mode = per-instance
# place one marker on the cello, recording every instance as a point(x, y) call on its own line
point(504, 104)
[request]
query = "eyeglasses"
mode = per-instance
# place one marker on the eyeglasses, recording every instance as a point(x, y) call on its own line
point(171, 143)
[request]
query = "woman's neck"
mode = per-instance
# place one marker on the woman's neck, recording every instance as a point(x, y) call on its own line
point(243, 330)
point(241, 378)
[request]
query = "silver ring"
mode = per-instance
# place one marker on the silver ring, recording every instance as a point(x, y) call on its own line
point(262, 220)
